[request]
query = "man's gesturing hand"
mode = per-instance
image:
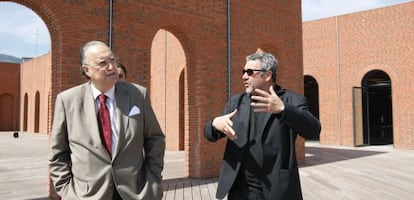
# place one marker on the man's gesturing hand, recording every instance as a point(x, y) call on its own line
point(225, 125)
point(267, 102)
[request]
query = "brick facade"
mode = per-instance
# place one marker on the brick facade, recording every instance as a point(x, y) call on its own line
point(200, 27)
point(180, 51)
point(35, 76)
point(9, 96)
point(340, 51)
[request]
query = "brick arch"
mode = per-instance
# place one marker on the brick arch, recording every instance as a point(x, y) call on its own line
point(179, 29)
point(399, 97)
point(315, 76)
point(42, 11)
point(202, 59)
point(187, 30)
point(25, 112)
point(36, 113)
point(182, 28)
point(200, 26)
point(396, 83)
point(59, 22)
point(386, 69)
point(138, 49)
point(168, 83)
point(394, 78)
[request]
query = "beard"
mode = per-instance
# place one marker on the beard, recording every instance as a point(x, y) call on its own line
point(250, 90)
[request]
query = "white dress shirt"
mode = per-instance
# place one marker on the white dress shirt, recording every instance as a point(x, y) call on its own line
point(111, 104)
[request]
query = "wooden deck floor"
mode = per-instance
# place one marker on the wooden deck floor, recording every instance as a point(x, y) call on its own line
point(330, 173)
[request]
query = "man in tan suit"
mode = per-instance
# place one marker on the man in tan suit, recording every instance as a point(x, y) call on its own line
point(83, 164)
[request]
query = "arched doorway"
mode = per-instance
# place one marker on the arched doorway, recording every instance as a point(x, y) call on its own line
point(37, 112)
point(25, 111)
point(377, 108)
point(28, 38)
point(168, 62)
point(311, 93)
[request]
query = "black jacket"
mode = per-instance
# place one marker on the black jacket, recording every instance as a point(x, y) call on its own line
point(279, 171)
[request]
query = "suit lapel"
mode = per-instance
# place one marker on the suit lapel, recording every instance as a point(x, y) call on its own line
point(123, 104)
point(268, 115)
point(91, 119)
point(262, 134)
point(243, 128)
point(245, 112)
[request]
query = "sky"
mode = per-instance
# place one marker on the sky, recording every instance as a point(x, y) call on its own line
point(24, 34)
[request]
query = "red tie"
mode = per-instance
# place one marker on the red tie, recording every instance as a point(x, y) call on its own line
point(105, 122)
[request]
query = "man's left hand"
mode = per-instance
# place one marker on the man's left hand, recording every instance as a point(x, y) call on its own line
point(264, 101)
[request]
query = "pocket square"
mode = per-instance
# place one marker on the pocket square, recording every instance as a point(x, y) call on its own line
point(134, 111)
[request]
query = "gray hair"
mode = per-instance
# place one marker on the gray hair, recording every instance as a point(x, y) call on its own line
point(83, 51)
point(85, 48)
point(268, 62)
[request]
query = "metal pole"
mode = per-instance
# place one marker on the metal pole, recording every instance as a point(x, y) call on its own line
point(110, 24)
point(228, 51)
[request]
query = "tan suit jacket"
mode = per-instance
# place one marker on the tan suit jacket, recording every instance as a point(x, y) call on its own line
point(80, 166)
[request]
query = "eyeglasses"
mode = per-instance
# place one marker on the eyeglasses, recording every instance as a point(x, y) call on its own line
point(251, 71)
point(104, 62)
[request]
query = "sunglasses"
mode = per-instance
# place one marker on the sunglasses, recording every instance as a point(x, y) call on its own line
point(251, 71)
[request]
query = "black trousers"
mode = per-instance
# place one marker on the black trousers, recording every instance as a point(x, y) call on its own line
point(246, 189)
point(116, 195)
point(237, 194)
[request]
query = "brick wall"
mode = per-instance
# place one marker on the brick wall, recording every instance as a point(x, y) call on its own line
point(201, 32)
point(340, 51)
point(35, 89)
point(9, 96)
point(201, 29)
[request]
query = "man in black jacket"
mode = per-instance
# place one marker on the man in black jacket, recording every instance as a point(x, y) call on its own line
point(261, 125)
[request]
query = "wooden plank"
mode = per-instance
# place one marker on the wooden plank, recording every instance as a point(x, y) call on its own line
point(348, 173)
point(187, 190)
point(179, 190)
point(195, 188)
